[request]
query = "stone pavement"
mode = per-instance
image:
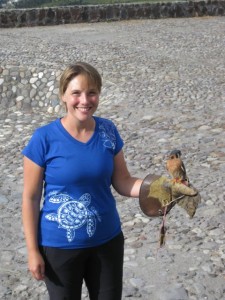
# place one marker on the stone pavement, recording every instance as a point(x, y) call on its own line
point(164, 87)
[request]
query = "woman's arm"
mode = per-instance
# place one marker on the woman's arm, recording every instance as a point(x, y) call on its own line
point(122, 181)
point(32, 193)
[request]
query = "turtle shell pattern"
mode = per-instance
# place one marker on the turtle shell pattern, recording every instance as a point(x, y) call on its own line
point(72, 214)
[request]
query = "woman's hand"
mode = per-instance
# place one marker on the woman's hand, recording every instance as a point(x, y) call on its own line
point(36, 265)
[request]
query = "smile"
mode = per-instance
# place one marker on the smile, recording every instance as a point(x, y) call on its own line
point(84, 109)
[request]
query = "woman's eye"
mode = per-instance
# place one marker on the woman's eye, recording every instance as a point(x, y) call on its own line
point(92, 93)
point(76, 93)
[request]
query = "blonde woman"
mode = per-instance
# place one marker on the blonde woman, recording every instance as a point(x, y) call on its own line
point(73, 162)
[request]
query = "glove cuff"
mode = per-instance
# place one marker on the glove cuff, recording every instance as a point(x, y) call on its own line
point(149, 197)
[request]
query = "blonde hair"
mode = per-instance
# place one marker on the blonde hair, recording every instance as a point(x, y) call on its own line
point(76, 69)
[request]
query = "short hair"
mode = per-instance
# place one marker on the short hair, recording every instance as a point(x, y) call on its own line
point(76, 69)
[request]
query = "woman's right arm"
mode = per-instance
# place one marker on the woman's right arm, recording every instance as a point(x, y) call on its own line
point(32, 193)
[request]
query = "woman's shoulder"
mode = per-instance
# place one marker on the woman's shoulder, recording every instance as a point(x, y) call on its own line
point(104, 121)
point(47, 128)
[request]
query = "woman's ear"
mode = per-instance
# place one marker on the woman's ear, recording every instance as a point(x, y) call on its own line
point(63, 98)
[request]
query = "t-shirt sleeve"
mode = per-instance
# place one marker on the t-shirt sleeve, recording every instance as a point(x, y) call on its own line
point(35, 149)
point(119, 141)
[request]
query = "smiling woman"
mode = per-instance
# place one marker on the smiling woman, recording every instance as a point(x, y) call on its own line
point(80, 87)
point(81, 99)
point(77, 159)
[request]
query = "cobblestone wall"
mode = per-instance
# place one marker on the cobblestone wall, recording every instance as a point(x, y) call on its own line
point(26, 88)
point(101, 13)
point(23, 88)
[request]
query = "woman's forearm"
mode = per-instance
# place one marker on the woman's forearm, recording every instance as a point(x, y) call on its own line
point(129, 187)
point(135, 187)
point(32, 193)
point(30, 213)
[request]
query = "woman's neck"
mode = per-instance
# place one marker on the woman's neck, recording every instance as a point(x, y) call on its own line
point(81, 131)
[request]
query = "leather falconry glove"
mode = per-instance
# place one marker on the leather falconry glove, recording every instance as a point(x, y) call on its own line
point(158, 193)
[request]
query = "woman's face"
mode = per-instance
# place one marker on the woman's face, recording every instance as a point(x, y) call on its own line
point(81, 98)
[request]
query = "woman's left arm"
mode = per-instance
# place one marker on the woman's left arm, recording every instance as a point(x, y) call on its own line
point(122, 181)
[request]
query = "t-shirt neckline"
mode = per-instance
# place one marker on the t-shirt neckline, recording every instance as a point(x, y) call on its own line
point(71, 138)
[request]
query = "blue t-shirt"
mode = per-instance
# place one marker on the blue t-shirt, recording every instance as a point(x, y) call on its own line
point(79, 209)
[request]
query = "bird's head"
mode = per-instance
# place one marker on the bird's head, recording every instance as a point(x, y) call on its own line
point(175, 154)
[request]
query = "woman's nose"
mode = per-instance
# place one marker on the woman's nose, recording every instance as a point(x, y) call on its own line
point(84, 97)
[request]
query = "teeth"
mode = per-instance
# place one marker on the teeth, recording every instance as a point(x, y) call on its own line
point(83, 108)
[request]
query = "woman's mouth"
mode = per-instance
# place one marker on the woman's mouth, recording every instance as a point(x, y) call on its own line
point(83, 109)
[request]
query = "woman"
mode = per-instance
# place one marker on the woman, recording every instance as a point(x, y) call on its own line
point(74, 161)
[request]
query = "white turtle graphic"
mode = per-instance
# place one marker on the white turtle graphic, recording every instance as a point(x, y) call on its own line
point(107, 135)
point(73, 214)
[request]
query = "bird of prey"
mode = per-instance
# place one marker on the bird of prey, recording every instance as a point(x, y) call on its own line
point(175, 167)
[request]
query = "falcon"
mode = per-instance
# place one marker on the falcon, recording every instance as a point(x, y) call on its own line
point(175, 167)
